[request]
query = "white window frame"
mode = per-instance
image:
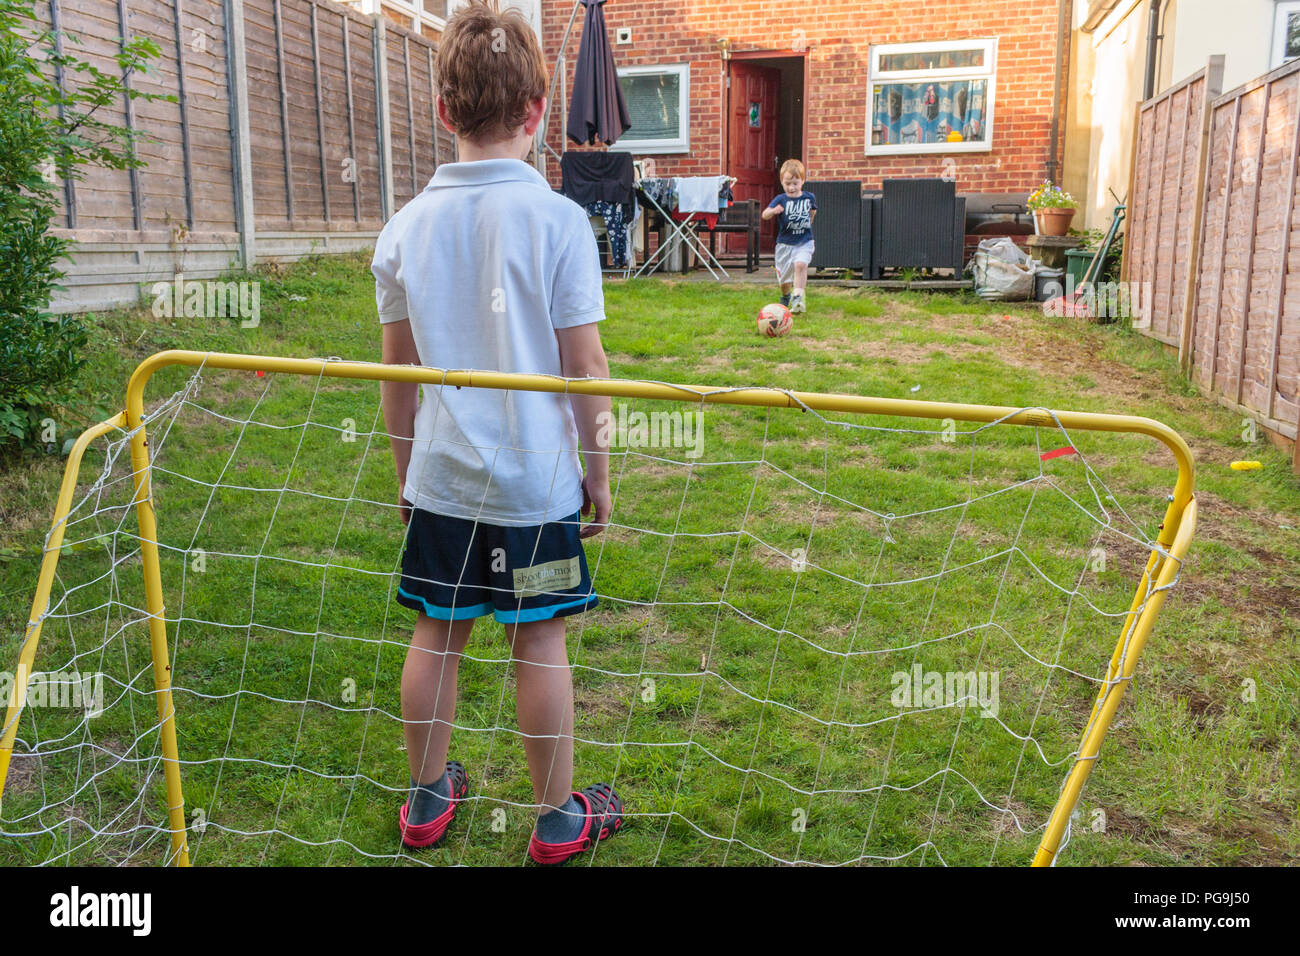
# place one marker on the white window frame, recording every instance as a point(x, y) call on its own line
point(1280, 14)
point(420, 18)
point(678, 144)
point(987, 72)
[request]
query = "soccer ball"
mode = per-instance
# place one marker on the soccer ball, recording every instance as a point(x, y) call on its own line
point(774, 320)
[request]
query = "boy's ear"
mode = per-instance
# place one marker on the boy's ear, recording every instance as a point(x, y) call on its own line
point(442, 116)
point(536, 111)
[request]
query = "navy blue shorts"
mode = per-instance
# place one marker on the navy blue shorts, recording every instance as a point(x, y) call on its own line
point(454, 569)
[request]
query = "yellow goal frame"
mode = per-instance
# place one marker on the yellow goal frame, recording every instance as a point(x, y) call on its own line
point(1161, 570)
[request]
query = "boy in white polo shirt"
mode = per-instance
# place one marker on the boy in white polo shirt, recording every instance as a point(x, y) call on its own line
point(488, 268)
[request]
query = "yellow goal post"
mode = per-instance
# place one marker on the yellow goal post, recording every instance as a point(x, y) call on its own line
point(1162, 565)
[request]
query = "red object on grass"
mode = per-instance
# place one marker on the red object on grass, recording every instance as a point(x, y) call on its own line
point(1074, 307)
point(710, 219)
point(1057, 453)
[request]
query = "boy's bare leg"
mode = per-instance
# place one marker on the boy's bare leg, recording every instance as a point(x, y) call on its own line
point(544, 700)
point(786, 287)
point(429, 693)
point(800, 277)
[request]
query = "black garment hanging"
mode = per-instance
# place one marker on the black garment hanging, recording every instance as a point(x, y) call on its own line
point(589, 176)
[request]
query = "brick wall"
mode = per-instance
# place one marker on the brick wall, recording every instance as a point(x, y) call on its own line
point(837, 35)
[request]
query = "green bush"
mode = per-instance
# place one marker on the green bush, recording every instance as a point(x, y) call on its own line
point(47, 134)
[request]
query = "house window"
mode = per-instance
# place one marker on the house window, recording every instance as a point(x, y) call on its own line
point(932, 97)
point(1286, 34)
point(443, 9)
point(423, 16)
point(658, 104)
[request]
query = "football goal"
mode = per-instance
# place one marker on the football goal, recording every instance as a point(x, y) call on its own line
point(832, 629)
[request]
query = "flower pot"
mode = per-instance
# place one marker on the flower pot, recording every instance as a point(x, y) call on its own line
point(1054, 221)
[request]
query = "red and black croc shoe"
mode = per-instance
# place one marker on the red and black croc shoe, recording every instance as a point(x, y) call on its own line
point(420, 835)
point(603, 811)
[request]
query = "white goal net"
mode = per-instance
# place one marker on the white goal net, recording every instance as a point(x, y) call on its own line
point(822, 638)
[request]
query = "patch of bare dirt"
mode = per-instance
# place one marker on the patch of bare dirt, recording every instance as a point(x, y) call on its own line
point(25, 507)
point(1187, 840)
point(24, 771)
point(597, 700)
point(1023, 343)
point(903, 353)
point(1137, 828)
point(1248, 592)
point(1218, 514)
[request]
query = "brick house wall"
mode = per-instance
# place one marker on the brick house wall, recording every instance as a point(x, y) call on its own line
point(837, 35)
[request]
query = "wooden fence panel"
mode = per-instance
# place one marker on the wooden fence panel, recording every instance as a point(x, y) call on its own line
point(203, 41)
point(266, 128)
point(1239, 221)
point(300, 95)
point(1136, 228)
point(1238, 256)
point(1276, 323)
point(1169, 290)
point(1247, 334)
point(1163, 194)
point(421, 112)
point(365, 116)
point(104, 198)
point(1214, 244)
point(404, 176)
point(1286, 356)
point(312, 96)
point(163, 180)
point(340, 155)
point(316, 169)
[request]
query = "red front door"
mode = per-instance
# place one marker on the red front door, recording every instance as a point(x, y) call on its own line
point(751, 152)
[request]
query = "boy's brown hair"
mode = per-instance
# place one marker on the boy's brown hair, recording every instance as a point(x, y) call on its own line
point(489, 69)
point(792, 166)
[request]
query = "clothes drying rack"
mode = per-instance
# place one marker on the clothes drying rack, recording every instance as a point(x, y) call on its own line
point(681, 236)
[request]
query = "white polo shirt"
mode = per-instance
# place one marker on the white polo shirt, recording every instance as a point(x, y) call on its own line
point(487, 262)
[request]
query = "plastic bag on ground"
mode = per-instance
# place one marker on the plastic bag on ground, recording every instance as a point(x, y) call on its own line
point(1003, 272)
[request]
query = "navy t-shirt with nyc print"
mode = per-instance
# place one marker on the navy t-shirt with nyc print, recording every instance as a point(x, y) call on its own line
point(796, 221)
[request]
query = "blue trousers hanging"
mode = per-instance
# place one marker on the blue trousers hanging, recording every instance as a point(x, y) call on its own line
point(616, 220)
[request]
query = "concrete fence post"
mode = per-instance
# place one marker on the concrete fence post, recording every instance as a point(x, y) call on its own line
point(385, 119)
point(241, 141)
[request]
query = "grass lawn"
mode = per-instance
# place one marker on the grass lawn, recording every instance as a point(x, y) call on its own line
point(738, 682)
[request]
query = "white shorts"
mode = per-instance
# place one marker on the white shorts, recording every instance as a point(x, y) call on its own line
point(786, 257)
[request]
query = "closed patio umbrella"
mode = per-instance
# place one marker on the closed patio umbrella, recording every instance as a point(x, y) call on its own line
point(597, 111)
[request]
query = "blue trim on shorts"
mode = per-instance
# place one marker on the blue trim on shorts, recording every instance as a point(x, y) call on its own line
point(540, 613)
point(447, 613)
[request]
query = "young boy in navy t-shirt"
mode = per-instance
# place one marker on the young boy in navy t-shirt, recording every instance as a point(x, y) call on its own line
point(794, 240)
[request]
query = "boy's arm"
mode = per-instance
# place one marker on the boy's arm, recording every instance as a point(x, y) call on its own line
point(577, 307)
point(582, 355)
point(399, 400)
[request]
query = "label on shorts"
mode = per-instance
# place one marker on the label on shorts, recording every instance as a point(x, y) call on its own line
point(549, 577)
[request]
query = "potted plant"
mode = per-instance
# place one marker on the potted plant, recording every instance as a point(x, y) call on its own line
point(1053, 209)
